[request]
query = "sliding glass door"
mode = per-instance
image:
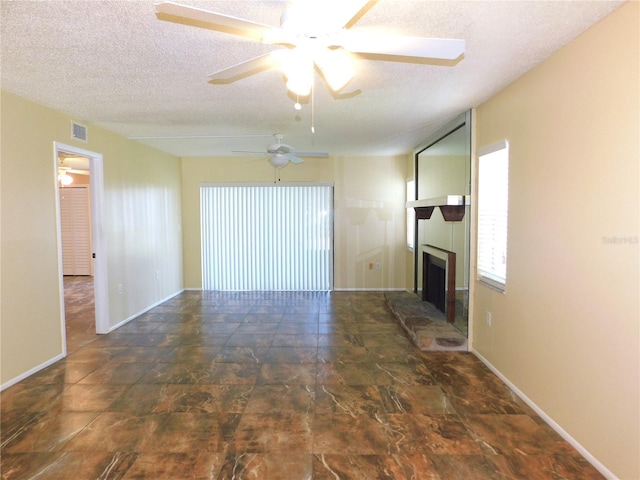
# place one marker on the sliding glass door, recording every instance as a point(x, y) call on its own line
point(267, 237)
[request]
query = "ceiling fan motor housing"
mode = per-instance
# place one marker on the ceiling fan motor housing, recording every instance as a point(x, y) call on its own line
point(279, 148)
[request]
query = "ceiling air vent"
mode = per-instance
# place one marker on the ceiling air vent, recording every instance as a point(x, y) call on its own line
point(79, 132)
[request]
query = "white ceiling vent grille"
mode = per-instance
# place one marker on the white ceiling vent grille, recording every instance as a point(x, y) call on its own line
point(79, 132)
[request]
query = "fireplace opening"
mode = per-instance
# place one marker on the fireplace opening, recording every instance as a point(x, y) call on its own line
point(439, 280)
point(436, 282)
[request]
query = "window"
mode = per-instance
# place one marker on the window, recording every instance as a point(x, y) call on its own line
point(411, 214)
point(493, 207)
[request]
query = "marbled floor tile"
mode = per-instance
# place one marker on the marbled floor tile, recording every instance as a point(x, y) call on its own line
point(287, 374)
point(29, 397)
point(214, 373)
point(431, 434)
point(379, 329)
point(484, 399)
point(507, 434)
point(14, 424)
point(354, 435)
point(393, 354)
point(184, 432)
point(261, 466)
point(90, 398)
point(373, 467)
point(337, 339)
point(257, 328)
point(138, 327)
point(116, 373)
point(43, 432)
point(415, 399)
point(140, 399)
point(331, 328)
point(374, 340)
point(250, 340)
point(67, 465)
point(223, 318)
point(345, 374)
point(300, 317)
point(348, 400)
point(300, 341)
point(221, 329)
point(544, 467)
point(254, 318)
point(476, 467)
point(143, 354)
point(456, 368)
point(274, 433)
point(344, 355)
point(242, 355)
point(203, 398)
point(191, 465)
point(402, 374)
point(93, 354)
point(117, 339)
point(116, 432)
point(292, 355)
point(299, 399)
point(289, 328)
point(193, 354)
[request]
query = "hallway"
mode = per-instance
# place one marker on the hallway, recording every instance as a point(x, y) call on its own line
point(271, 386)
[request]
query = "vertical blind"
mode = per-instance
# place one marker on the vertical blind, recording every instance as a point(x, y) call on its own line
point(493, 207)
point(266, 237)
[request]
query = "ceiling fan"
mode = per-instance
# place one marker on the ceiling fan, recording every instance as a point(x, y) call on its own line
point(316, 34)
point(280, 154)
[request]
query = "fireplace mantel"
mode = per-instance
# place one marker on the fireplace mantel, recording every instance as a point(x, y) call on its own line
point(452, 207)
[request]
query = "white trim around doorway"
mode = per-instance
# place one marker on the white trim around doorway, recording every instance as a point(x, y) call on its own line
point(100, 277)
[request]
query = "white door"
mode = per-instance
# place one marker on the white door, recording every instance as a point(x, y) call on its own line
point(75, 224)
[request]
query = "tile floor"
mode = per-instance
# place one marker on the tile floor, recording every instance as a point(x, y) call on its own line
point(269, 386)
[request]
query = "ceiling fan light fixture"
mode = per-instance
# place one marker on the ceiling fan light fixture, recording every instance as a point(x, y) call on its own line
point(297, 67)
point(335, 66)
point(64, 178)
point(278, 160)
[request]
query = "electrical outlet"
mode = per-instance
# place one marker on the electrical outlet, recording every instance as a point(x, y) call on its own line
point(489, 318)
point(157, 274)
point(120, 289)
point(378, 266)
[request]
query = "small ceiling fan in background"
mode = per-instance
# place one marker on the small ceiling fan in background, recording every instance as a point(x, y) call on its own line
point(316, 35)
point(280, 154)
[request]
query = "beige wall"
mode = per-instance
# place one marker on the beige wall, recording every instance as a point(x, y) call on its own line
point(369, 212)
point(141, 223)
point(566, 332)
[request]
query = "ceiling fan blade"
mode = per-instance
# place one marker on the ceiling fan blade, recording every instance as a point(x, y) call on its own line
point(348, 13)
point(244, 152)
point(421, 47)
point(294, 159)
point(311, 154)
point(243, 69)
point(173, 12)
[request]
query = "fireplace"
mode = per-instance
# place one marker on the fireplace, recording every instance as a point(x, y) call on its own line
point(439, 279)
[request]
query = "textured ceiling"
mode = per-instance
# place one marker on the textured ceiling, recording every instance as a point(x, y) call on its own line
point(115, 65)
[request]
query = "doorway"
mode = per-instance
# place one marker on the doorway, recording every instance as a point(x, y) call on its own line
point(86, 167)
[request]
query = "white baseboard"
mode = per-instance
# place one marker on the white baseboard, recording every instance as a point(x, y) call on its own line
point(552, 423)
point(30, 372)
point(369, 289)
point(136, 315)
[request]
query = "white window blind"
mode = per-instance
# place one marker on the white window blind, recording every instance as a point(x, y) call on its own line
point(493, 207)
point(266, 237)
